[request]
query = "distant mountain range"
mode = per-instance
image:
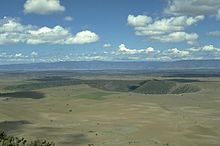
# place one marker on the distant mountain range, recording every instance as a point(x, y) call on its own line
point(107, 65)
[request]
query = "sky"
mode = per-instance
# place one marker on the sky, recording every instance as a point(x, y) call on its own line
point(108, 30)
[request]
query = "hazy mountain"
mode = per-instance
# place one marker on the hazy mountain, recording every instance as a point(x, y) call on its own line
point(105, 65)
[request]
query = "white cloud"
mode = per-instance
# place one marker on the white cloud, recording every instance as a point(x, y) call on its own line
point(167, 25)
point(150, 50)
point(43, 6)
point(210, 48)
point(161, 29)
point(34, 54)
point(10, 25)
point(202, 52)
point(56, 35)
point(206, 48)
point(174, 52)
point(107, 45)
point(10, 58)
point(68, 18)
point(139, 20)
point(177, 37)
point(19, 55)
point(193, 7)
point(214, 33)
point(124, 50)
point(83, 37)
point(12, 31)
point(15, 58)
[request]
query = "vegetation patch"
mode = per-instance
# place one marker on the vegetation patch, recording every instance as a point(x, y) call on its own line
point(44, 84)
point(51, 79)
point(170, 86)
point(23, 94)
point(12, 125)
point(167, 86)
point(184, 80)
point(156, 87)
point(114, 85)
point(186, 88)
point(6, 140)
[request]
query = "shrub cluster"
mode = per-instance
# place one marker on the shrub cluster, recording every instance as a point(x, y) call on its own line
point(6, 140)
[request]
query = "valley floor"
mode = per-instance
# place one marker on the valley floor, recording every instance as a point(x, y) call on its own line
point(79, 115)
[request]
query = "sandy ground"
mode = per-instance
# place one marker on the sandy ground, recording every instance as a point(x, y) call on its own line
point(80, 115)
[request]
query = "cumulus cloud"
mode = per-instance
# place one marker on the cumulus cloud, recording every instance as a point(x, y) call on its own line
point(204, 52)
point(139, 20)
point(12, 31)
point(161, 29)
point(165, 25)
point(107, 45)
point(68, 18)
point(150, 50)
point(83, 37)
point(55, 35)
point(201, 52)
point(43, 6)
point(124, 50)
point(193, 7)
point(206, 48)
point(190, 38)
point(174, 52)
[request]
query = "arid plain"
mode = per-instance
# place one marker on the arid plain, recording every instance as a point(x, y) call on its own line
point(82, 113)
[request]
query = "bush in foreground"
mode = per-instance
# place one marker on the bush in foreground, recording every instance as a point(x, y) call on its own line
point(15, 141)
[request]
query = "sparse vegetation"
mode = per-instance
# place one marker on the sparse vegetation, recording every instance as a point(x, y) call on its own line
point(156, 87)
point(147, 86)
point(140, 86)
point(44, 84)
point(6, 140)
point(108, 110)
point(23, 94)
point(186, 88)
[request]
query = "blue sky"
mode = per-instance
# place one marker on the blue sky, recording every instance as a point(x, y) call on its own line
point(108, 30)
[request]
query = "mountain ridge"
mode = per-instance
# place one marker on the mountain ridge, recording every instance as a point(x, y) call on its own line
point(116, 65)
